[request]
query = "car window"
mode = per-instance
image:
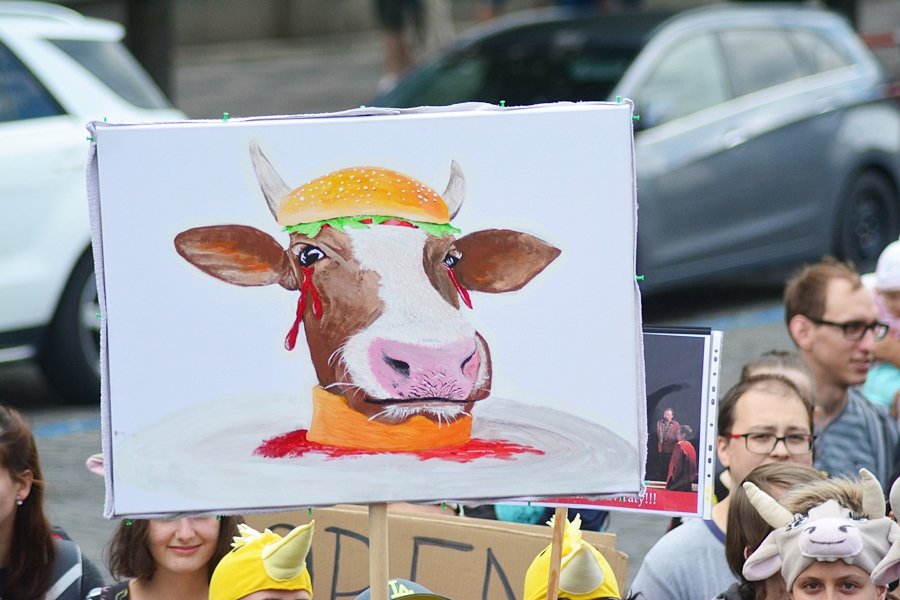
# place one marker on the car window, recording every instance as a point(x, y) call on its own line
point(758, 59)
point(21, 94)
point(113, 65)
point(688, 78)
point(456, 81)
point(517, 75)
point(820, 53)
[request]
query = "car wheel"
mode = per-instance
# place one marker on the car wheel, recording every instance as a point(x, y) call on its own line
point(869, 220)
point(70, 354)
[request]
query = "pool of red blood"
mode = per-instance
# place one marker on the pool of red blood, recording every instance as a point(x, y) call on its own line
point(294, 444)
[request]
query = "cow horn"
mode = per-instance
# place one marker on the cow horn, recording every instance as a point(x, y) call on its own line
point(285, 559)
point(872, 495)
point(456, 189)
point(772, 513)
point(273, 186)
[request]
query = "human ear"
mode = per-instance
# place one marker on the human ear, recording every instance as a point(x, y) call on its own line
point(800, 329)
point(881, 592)
point(722, 450)
point(24, 481)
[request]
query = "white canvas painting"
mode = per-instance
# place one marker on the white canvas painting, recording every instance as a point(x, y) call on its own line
point(400, 307)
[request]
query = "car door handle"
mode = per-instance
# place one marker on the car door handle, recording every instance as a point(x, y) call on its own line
point(734, 138)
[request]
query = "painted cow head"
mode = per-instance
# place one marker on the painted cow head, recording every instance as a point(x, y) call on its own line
point(380, 278)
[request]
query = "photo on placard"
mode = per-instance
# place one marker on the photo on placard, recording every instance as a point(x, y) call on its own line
point(681, 369)
point(293, 317)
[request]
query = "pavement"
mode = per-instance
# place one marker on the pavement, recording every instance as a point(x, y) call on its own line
point(321, 75)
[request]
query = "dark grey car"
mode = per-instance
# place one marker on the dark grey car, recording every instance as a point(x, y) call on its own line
point(765, 136)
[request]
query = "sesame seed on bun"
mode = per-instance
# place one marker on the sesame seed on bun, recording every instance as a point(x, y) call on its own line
point(359, 191)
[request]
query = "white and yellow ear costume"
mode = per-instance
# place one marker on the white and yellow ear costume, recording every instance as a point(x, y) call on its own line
point(583, 572)
point(263, 561)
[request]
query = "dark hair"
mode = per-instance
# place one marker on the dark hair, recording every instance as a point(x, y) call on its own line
point(746, 528)
point(773, 383)
point(128, 552)
point(32, 553)
point(805, 292)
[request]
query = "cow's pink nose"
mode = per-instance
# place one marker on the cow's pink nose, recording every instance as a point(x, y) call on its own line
point(414, 371)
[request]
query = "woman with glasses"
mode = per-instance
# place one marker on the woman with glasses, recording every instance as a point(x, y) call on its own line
point(763, 419)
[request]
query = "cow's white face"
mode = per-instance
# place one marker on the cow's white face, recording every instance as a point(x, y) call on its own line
point(420, 355)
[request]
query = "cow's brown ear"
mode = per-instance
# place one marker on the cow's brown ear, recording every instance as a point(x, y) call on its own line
point(237, 254)
point(500, 260)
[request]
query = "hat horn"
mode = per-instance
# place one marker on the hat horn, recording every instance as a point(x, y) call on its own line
point(456, 189)
point(872, 495)
point(772, 513)
point(273, 186)
point(285, 559)
point(581, 573)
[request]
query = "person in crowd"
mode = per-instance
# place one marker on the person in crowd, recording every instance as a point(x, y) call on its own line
point(825, 543)
point(682, 475)
point(486, 10)
point(833, 321)
point(166, 558)
point(583, 571)
point(765, 419)
point(783, 362)
point(34, 563)
point(747, 530)
point(666, 437)
point(404, 589)
point(265, 566)
point(883, 382)
point(394, 18)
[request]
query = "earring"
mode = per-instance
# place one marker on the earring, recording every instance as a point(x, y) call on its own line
point(19, 502)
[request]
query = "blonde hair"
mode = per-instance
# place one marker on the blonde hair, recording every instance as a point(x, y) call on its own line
point(846, 492)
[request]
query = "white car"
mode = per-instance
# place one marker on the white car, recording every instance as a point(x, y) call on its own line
point(58, 70)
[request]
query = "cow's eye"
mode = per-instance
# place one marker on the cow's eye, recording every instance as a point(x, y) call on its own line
point(309, 255)
point(452, 258)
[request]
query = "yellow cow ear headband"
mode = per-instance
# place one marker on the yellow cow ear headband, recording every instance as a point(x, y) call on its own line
point(583, 571)
point(263, 561)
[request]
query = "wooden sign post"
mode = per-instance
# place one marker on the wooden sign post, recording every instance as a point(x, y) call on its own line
point(559, 530)
point(378, 551)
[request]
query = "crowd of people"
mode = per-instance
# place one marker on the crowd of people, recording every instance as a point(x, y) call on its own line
point(800, 427)
point(807, 460)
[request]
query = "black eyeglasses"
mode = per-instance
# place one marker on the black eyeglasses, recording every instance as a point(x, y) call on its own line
point(764, 443)
point(855, 330)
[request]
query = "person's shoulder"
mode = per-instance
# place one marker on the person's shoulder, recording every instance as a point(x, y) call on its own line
point(861, 404)
point(692, 531)
point(116, 591)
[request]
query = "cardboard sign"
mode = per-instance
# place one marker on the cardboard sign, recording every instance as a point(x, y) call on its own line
point(296, 300)
point(458, 557)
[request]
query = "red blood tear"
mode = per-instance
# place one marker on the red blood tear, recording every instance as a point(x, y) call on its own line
point(306, 286)
point(463, 292)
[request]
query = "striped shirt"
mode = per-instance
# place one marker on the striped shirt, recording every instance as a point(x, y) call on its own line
point(863, 435)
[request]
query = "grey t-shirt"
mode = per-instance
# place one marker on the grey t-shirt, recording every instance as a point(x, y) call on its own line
point(688, 563)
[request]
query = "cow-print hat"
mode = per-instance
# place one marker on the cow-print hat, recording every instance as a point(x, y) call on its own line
point(827, 532)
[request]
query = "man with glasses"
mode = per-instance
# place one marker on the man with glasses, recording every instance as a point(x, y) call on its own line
point(763, 419)
point(833, 321)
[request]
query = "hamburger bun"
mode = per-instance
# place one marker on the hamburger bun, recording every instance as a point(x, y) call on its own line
point(362, 191)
